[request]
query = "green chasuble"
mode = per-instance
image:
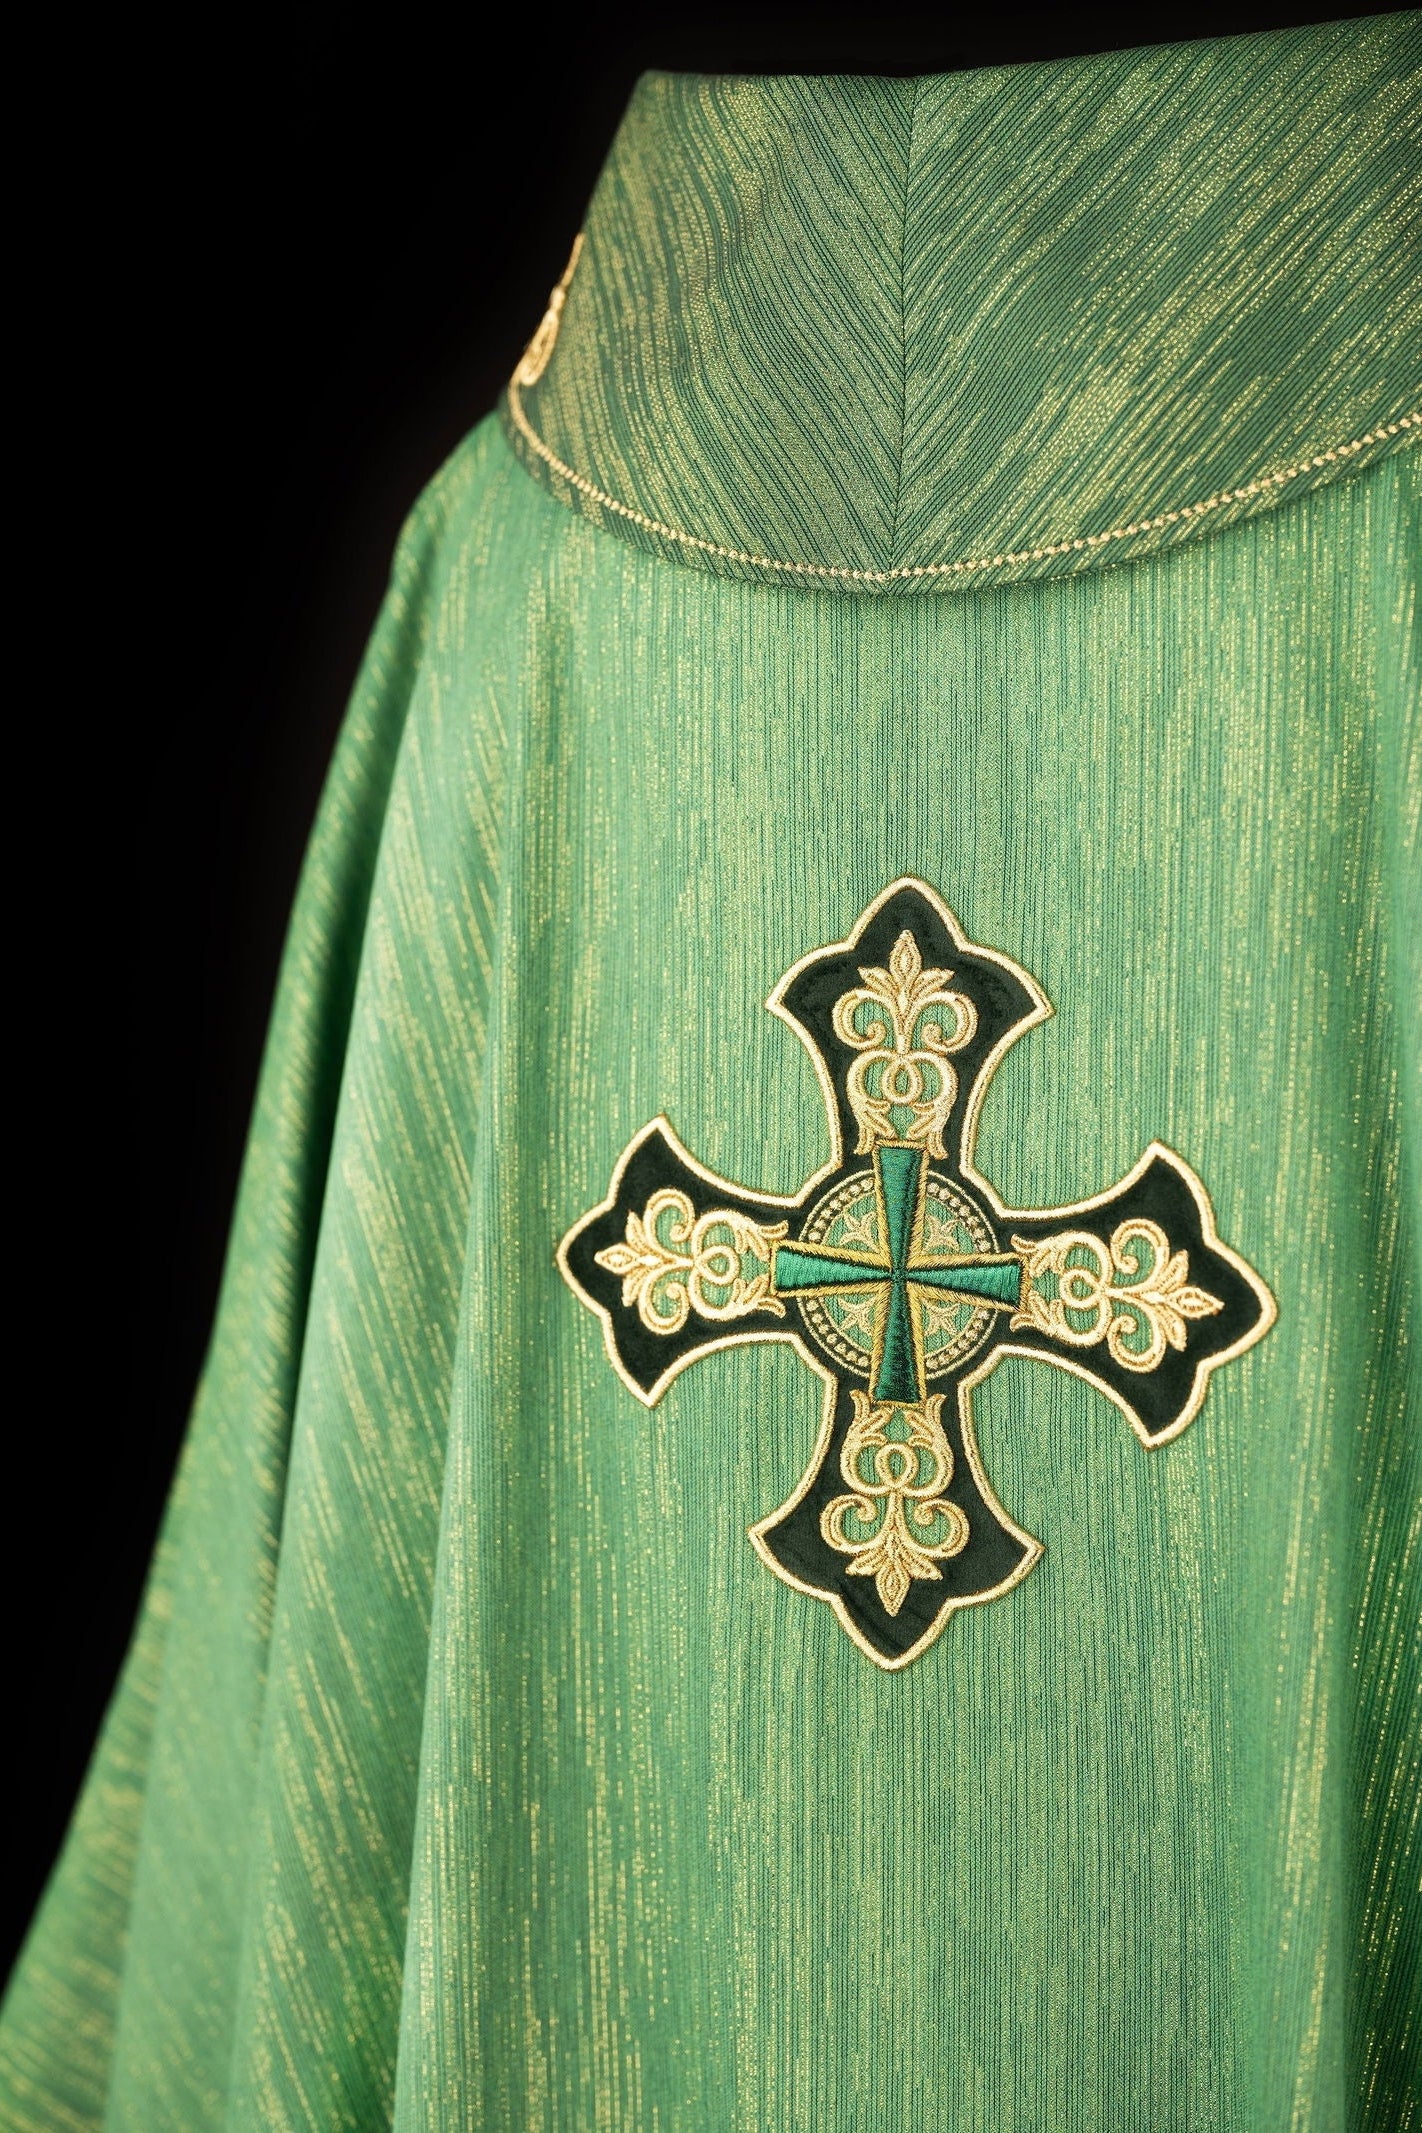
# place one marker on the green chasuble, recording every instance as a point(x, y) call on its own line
point(802, 1513)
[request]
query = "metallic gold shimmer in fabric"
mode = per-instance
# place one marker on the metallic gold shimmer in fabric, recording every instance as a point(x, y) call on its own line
point(907, 334)
point(469, 1772)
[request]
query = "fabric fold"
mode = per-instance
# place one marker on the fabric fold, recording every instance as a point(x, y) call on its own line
point(475, 1765)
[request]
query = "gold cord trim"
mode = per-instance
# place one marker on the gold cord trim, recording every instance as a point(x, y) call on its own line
point(534, 360)
point(1083, 542)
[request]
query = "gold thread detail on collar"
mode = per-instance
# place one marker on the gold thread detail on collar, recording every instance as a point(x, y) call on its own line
point(1081, 544)
point(534, 360)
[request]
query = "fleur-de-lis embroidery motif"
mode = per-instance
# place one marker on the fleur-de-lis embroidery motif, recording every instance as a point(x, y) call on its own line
point(673, 1261)
point(897, 1461)
point(1135, 1295)
point(902, 1086)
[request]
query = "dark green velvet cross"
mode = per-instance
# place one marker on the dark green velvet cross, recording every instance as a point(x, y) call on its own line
point(903, 1276)
point(1132, 1289)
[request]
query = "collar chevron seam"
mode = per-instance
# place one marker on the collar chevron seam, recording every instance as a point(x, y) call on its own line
point(1081, 543)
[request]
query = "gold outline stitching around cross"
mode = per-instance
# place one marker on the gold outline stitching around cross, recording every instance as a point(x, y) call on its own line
point(1037, 1009)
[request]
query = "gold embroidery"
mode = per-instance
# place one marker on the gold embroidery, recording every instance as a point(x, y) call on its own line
point(857, 1314)
point(673, 1259)
point(847, 1322)
point(943, 1229)
point(1083, 543)
point(901, 1087)
point(859, 1229)
point(937, 1317)
point(892, 1459)
point(534, 360)
point(896, 1460)
point(1140, 1292)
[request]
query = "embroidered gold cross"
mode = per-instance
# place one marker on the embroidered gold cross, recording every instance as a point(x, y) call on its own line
point(899, 1276)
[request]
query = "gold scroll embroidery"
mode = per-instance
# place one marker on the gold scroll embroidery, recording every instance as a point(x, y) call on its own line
point(675, 1261)
point(896, 1461)
point(901, 1087)
point(534, 360)
point(1136, 1297)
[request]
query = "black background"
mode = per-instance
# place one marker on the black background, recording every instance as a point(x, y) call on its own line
point(281, 266)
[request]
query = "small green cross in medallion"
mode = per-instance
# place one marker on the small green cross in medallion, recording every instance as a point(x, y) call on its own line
point(901, 1277)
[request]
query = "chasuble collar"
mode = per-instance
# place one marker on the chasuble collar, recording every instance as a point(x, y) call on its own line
point(900, 335)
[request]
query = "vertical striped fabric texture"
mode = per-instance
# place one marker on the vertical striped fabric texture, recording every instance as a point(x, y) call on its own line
point(469, 1769)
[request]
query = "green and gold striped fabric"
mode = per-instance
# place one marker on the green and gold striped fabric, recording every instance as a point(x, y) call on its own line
point(470, 1772)
point(917, 334)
